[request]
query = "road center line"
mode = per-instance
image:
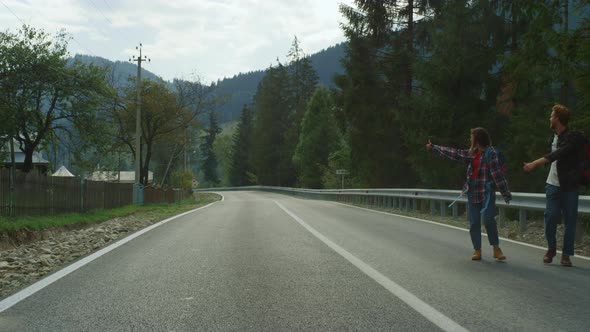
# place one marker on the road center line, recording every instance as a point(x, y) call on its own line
point(433, 315)
point(39, 285)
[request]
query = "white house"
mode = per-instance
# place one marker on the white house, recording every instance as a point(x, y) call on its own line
point(114, 176)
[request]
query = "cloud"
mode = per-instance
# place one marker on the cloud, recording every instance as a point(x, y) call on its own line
point(217, 38)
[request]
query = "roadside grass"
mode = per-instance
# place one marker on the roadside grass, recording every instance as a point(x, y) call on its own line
point(10, 225)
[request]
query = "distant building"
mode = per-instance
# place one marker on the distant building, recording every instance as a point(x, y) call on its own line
point(63, 172)
point(114, 176)
point(39, 163)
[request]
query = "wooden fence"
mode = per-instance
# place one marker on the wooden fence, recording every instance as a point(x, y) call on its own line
point(155, 195)
point(36, 194)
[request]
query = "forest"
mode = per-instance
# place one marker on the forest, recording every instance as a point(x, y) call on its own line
point(414, 71)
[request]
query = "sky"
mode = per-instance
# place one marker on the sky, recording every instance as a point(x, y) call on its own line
point(189, 39)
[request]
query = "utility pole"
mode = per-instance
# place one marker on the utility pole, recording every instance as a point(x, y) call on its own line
point(138, 187)
point(12, 176)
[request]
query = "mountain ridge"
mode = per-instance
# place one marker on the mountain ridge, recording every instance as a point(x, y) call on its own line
point(240, 88)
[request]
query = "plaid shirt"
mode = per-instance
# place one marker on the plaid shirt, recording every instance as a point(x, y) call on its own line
point(478, 191)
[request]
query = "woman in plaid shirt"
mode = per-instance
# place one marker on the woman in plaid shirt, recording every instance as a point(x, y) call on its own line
point(480, 170)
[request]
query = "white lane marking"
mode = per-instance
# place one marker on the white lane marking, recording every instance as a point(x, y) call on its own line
point(433, 315)
point(455, 227)
point(39, 285)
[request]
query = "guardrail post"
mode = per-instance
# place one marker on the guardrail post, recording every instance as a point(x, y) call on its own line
point(443, 209)
point(455, 211)
point(501, 217)
point(414, 204)
point(394, 202)
point(432, 207)
point(522, 219)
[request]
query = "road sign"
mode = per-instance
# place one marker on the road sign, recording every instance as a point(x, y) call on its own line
point(342, 172)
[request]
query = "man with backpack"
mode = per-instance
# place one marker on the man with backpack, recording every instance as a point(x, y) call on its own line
point(562, 183)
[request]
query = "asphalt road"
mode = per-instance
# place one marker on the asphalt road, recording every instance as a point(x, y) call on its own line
point(267, 262)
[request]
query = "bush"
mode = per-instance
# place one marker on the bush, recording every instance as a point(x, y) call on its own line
point(182, 179)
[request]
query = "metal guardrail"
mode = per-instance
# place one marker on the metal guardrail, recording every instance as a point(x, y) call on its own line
point(408, 199)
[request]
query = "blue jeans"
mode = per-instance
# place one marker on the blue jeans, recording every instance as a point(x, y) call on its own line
point(561, 203)
point(475, 217)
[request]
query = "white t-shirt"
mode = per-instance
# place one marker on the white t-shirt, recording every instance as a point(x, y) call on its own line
point(552, 178)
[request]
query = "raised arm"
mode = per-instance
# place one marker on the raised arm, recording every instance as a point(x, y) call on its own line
point(452, 153)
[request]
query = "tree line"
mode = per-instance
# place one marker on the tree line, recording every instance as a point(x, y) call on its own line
point(48, 101)
point(418, 70)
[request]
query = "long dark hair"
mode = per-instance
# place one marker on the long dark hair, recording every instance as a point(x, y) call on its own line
point(481, 137)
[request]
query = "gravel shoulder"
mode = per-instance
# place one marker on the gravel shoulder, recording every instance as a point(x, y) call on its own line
point(50, 250)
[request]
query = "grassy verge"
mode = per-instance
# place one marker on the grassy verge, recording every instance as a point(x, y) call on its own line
point(39, 223)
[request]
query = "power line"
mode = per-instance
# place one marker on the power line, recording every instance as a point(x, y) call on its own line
point(12, 12)
point(74, 39)
point(100, 11)
point(106, 3)
point(77, 42)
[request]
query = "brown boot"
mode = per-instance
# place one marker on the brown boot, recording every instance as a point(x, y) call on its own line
point(476, 255)
point(548, 258)
point(565, 261)
point(498, 255)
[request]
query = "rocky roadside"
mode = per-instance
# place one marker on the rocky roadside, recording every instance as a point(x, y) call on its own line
point(26, 263)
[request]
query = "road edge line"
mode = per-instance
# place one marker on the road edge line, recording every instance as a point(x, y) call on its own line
point(40, 284)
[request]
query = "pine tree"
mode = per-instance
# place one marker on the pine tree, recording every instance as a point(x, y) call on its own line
point(271, 159)
point(369, 98)
point(241, 169)
point(317, 140)
point(458, 87)
point(303, 81)
point(209, 160)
